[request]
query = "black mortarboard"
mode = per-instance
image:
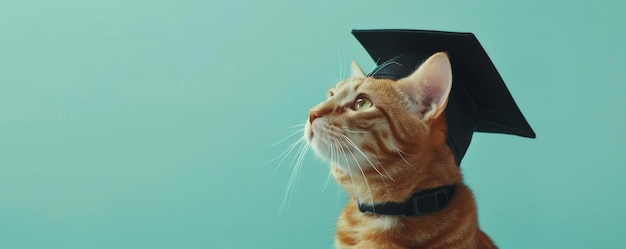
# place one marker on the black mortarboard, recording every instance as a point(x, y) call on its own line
point(479, 100)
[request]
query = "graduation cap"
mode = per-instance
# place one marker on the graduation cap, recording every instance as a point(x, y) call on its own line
point(479, 100)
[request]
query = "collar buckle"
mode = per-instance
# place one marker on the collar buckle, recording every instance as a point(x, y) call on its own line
point(431, 201)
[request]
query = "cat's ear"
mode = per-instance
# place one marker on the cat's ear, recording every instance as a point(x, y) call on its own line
point(429, 86)
point(355, 71)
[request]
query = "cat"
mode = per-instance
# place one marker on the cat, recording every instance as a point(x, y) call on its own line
point(386, 140)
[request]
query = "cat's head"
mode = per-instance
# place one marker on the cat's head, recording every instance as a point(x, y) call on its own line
point(366, 121)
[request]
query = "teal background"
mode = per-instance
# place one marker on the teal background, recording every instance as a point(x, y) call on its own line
point(148, 124)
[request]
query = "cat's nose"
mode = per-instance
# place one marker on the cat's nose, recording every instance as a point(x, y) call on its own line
point(320, 110)
point(313, 114)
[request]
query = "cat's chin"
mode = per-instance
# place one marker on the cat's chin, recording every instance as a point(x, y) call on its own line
point(320, 148)
point(347, 161)
point(344, 158)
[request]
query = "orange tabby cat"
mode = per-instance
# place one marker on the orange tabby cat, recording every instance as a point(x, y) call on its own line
point(386, 140)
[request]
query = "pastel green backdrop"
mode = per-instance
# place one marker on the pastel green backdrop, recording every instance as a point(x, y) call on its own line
point(146, 124)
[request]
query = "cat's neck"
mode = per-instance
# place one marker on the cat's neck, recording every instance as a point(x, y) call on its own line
point(407, 175)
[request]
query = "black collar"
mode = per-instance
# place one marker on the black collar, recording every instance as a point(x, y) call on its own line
point(420, 203)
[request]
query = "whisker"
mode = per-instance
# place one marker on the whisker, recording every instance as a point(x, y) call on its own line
point(333, 160)
point(302, 149)
point(335, 140)
point(297, 126)
point(400, 152)
point(301, 160)
point(352, 131)
point(331, 152)
point(369, 75)
point(341, 71)
point(365, 156)
point(284, 155)
point(291, 134)
point(364, 177)
point(384, 175)
point(382, 67)
point(337, 200)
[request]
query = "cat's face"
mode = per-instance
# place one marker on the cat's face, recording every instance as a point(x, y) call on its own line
point(350, 128)
point(366, 121)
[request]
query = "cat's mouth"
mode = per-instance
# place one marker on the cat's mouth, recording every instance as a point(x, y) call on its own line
point(319, 138)
point(316, 137)
point(310, 131)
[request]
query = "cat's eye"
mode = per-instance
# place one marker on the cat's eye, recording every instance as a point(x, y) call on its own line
point(362, 103)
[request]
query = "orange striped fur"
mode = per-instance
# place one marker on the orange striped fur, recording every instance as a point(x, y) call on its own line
point(386, 151)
